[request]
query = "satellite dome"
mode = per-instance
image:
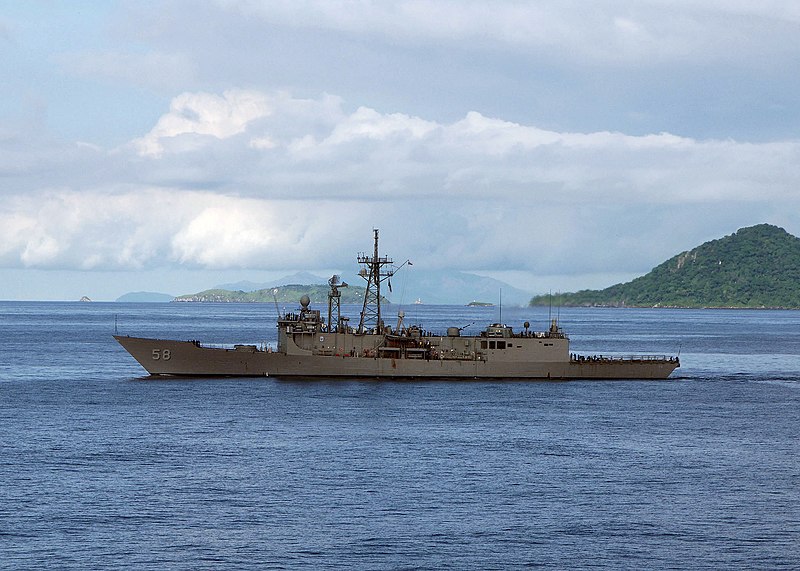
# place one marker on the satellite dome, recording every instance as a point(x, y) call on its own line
point(304, 301)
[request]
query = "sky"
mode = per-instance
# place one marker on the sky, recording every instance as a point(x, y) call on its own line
point(557, 145)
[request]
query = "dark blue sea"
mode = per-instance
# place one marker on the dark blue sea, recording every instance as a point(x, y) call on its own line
point(102, 467)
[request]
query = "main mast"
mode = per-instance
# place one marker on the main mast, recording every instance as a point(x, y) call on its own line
point(372, 271)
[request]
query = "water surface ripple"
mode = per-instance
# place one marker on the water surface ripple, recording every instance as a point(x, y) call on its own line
point(103, 468)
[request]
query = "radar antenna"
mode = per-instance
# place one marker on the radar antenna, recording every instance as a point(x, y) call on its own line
point(372, 271)
point(334, 301)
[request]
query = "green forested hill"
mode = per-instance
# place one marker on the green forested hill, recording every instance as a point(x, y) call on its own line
point(285, 294)
point(758, 266)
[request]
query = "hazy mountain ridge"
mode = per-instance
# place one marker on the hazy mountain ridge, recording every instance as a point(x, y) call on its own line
point(756, 267)
point(298, 278)
point(145, 297)
point(451, 287)
point(283, 294)
point(431, 287)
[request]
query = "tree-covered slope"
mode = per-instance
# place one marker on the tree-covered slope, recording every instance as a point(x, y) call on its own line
point(758, 266)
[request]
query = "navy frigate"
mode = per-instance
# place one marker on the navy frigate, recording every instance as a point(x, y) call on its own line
point(311, 346)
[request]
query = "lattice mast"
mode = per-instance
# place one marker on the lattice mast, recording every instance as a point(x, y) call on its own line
point(334, 303)
point(372, 271)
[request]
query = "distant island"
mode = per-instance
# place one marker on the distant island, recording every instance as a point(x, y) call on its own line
point(284, 294)
point(435, 287)
point(756, 267)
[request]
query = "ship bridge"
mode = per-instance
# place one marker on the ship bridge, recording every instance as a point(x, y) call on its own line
point(498, 330)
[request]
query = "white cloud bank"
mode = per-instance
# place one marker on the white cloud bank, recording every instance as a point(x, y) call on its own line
point(249, 179)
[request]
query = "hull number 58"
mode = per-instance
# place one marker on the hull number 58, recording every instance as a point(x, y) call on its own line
point(161, 355)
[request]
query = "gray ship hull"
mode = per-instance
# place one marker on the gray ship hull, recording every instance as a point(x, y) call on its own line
point(187, 358)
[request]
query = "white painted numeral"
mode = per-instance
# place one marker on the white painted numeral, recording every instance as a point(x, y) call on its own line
point(161, 355)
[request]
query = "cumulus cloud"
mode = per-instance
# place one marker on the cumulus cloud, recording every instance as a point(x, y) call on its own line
point(249, 179)
point(84, 230)
point(204, 114)
point(366, 153)
point(703, 69)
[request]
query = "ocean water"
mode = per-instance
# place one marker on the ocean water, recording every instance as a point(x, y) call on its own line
point(102, 467)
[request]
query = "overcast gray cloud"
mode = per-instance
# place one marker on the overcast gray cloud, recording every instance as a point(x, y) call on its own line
point(607, 31)
point(559, 145)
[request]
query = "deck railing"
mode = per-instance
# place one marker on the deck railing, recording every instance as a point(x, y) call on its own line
point(617, 358)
